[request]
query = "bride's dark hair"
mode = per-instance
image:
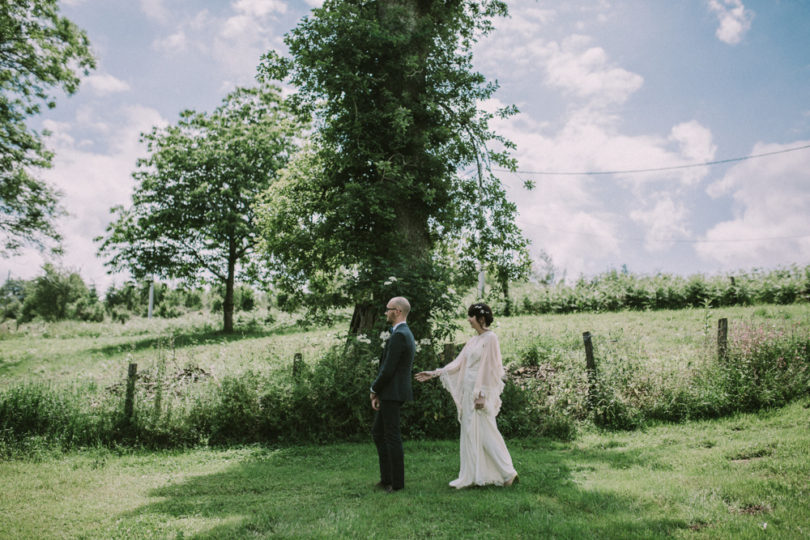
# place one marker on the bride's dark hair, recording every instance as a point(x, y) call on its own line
point(481, 311)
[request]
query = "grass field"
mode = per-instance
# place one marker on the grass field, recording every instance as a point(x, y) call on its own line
point(70, 352)
point(741, 477)
point(745, 476)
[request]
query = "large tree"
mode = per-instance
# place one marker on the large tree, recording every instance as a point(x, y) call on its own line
point(376, 204)
point(39, 51)
point(192, 213)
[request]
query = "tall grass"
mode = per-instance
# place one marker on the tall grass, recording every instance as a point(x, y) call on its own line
point(767, 365)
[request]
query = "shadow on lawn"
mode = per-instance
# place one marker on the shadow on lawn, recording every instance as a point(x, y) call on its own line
point(197, 338)
point(328, 492)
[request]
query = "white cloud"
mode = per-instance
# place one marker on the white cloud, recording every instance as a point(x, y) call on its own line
point(583, 221)
point(734, 18)
point(91, 183)
point(585, 71)
point(664, 220)
point(104, 84)
point(259, 8)
point(155, 9)
point(173, 43)
point(771, 223)
point(235, 40)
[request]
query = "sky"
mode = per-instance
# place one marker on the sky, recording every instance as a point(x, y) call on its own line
point(605, 89)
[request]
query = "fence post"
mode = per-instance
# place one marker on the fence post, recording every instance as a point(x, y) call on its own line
point(722, 339)
point(129, 401)
point(590, 367)
point(297, 361)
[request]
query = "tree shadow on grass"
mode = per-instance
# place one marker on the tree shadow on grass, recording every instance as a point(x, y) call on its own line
point(196, 338)
point(328, 492)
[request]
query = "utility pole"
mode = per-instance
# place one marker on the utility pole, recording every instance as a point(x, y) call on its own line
point(151, 297)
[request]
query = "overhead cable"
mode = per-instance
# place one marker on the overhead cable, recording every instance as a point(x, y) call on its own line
point(658, 169)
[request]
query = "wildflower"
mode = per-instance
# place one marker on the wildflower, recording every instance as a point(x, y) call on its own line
point(362, 338)
point(390, 280)
point(385, 335)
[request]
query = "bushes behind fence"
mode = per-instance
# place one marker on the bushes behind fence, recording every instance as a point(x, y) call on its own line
point(329, 401)
point(615, 291)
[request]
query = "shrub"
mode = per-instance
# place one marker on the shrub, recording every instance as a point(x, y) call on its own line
point(545, 394)
point(613, 291)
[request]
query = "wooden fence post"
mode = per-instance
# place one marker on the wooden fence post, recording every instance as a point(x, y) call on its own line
point(298, 359)
point(590, 367)
point(722, 339)
point(129, 401)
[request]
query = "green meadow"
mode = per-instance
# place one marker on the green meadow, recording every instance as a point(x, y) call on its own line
point(738, 476)
point(71, 351)
point(745, 476)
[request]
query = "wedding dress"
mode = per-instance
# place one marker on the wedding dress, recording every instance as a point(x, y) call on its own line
point(478, 369)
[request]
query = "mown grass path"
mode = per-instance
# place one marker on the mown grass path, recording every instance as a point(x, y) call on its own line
point(741, 477)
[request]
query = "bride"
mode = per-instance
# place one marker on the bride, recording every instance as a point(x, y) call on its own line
point(475, 380)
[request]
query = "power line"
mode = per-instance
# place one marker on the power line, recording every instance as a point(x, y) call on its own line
point(658, 169)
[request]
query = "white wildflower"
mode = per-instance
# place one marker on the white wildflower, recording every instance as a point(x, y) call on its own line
point(390, 280)
point(425, 341)
point(385, 335)
point(362, 338)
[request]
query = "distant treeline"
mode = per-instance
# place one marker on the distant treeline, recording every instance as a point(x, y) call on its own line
point(60, 294)
point(618, 290)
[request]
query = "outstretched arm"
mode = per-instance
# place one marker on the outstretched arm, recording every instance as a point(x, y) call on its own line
point(452, 367)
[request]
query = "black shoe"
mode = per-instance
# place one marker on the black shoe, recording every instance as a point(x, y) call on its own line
point(384, 487)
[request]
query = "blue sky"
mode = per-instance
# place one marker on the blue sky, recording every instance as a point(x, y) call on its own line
point(601, 86)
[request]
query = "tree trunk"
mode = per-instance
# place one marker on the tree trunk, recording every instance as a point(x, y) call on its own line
point(227, 306)
point(507, 308)
point(363, 318)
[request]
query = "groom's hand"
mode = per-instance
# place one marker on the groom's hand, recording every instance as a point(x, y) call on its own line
point(375, 402)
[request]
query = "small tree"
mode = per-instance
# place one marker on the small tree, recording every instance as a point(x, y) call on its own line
point(192, 215)
point(39, 51)
point(59, 294)
point(12, 296)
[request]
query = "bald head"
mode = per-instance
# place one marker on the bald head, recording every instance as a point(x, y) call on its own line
point(402, 304)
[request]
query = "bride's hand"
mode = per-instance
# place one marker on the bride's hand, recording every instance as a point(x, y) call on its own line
point(423, 376)
point(479, 402)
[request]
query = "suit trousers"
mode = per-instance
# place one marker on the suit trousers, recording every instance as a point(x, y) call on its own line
point(388, 439)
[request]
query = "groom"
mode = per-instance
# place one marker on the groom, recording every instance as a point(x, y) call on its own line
point(390, 389)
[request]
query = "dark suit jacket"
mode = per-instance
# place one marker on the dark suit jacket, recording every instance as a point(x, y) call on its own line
point(393, 382)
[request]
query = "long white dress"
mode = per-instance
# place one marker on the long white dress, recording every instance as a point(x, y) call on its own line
point(478, 369)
